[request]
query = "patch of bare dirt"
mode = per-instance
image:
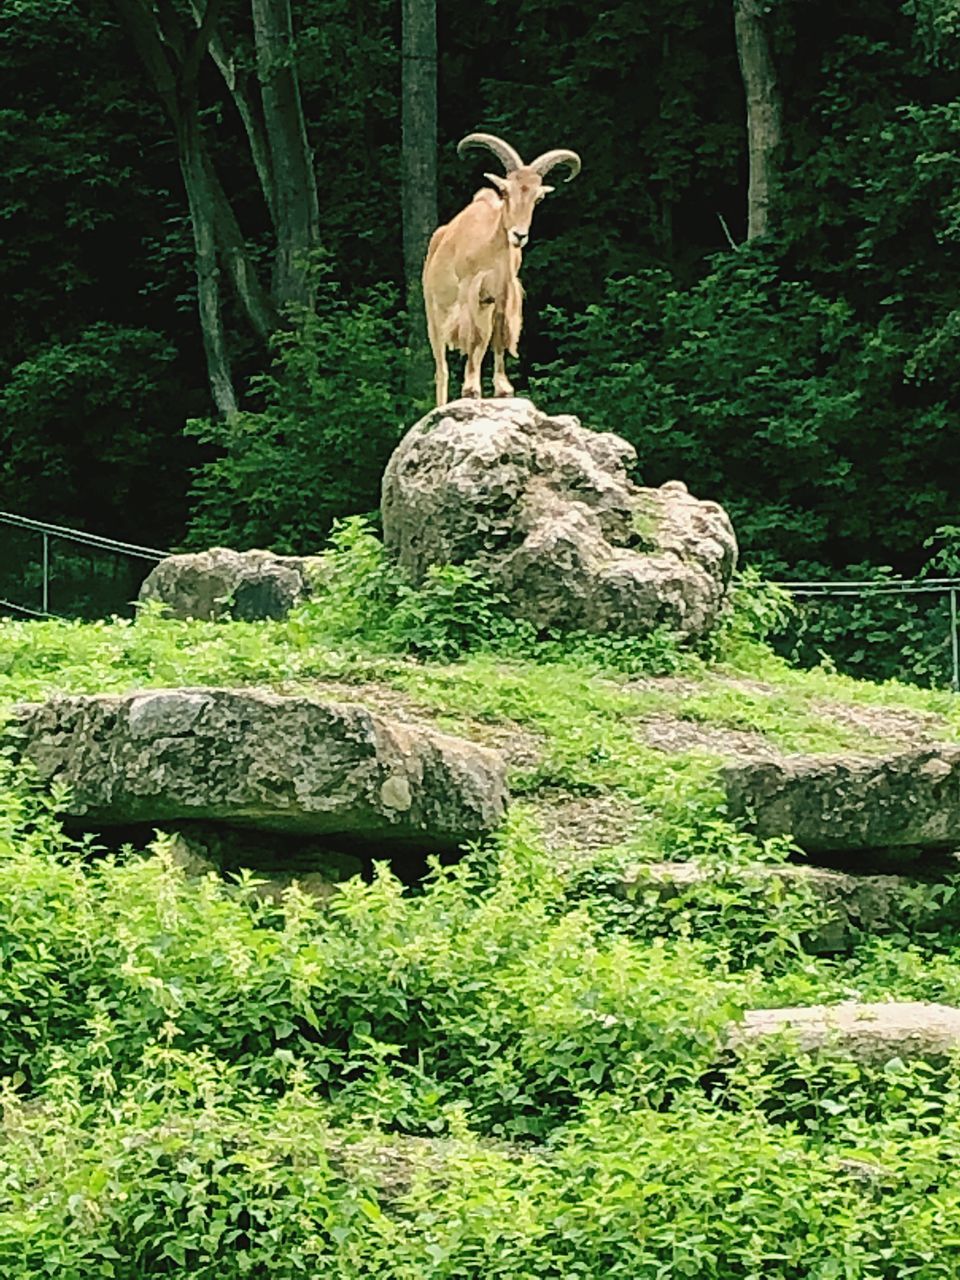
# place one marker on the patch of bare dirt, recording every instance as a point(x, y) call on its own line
point(581, 824)
point(681, 685)
point(672, 734)
point(899, 724)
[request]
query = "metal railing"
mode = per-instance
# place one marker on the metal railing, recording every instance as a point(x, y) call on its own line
point(869, 588)
point(37, 570)
point(48, 534)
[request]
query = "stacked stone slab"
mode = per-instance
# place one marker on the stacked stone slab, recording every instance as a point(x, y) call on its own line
point(871, 1033)
point(250, 758)
point(849, 905)
point(904, 805)
point(909, 800)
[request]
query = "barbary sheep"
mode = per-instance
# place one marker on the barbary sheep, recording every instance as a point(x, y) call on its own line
point(471, 276)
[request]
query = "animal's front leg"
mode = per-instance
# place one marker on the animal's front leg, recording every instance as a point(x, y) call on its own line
point(472, 389)
point(506, 334)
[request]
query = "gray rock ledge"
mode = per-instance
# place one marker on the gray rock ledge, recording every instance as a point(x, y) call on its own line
point(222, 584)
point(847, 803)
point(866, 1032)
point(251, 758)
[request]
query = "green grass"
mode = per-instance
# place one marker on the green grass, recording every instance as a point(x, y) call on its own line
point(504, 1072)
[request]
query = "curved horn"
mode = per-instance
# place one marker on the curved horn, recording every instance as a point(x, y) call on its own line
point(502, 150)
point(543, 164)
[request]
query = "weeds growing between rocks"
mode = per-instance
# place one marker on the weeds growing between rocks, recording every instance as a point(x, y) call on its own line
point(507, 1070)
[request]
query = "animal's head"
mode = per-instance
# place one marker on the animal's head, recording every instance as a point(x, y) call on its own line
point(522, 188)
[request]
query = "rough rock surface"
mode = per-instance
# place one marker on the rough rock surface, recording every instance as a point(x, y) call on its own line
point(251, 758)
point(866, 1032)
point(907, 800)
point(220, 583)
point(547, 510)
point(855, 904)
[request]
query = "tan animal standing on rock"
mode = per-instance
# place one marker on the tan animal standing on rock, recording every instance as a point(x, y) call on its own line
point(471, 277)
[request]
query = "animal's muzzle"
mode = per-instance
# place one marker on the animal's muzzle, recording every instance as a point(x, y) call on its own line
point(519, 238)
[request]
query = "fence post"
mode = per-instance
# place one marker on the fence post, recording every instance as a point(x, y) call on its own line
point(46, 572)
point(954, 640)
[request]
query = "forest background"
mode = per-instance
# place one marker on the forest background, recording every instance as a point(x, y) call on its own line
point(799, 368)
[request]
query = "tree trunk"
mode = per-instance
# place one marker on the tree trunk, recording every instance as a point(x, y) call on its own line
point(236, 83)
point(419, 171)
point(763, 112)
point(296, 212)
point(202, 219)
point(175, 83)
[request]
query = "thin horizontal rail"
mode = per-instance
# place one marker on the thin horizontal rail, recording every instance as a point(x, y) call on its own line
point(22, 608)
point(86, 539)
point(864, 592)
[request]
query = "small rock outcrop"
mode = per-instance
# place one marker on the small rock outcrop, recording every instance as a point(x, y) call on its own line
point(251, 758)
point(221, 584)
point(853, 904)
point(910, 800)
point(274, 861)
point(866, 1032)
point(547, 510)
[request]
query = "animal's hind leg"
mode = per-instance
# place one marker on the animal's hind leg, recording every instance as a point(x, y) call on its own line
point(439, 347)
point(482, 330)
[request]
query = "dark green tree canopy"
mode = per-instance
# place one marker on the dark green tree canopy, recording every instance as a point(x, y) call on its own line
point(167, 160)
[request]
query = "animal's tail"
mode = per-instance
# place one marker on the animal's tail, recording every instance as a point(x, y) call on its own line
point(509, 319)
point(462, 331)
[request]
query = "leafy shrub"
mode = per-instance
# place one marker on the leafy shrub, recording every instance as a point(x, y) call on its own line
point(85, 426)
point(333, 409)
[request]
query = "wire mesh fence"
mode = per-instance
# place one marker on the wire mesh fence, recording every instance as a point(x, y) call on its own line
point(47, 570)
point(877, 629)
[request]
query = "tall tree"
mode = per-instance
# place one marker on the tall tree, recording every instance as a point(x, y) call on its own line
point(173, 48)
point(294, 200)
point(419, 170)
point(764, 115)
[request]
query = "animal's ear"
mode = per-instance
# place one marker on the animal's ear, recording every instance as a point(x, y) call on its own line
point(544, 191)
point(499, 182)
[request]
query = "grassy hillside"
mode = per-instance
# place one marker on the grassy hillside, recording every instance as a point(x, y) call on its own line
point(507, 1069)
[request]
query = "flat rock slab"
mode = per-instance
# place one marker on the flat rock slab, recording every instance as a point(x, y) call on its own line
point(853, 904)
point(866, 1032)
point(257, 759)
point(847, 803)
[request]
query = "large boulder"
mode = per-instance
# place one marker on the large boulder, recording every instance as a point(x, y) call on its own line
point(865, 1032)
point(548, 511)
point(223, 584)
point(909, 800)
point(251, 758)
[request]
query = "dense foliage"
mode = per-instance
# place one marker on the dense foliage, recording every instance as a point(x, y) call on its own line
point(806, 381)
point(506, 1070)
